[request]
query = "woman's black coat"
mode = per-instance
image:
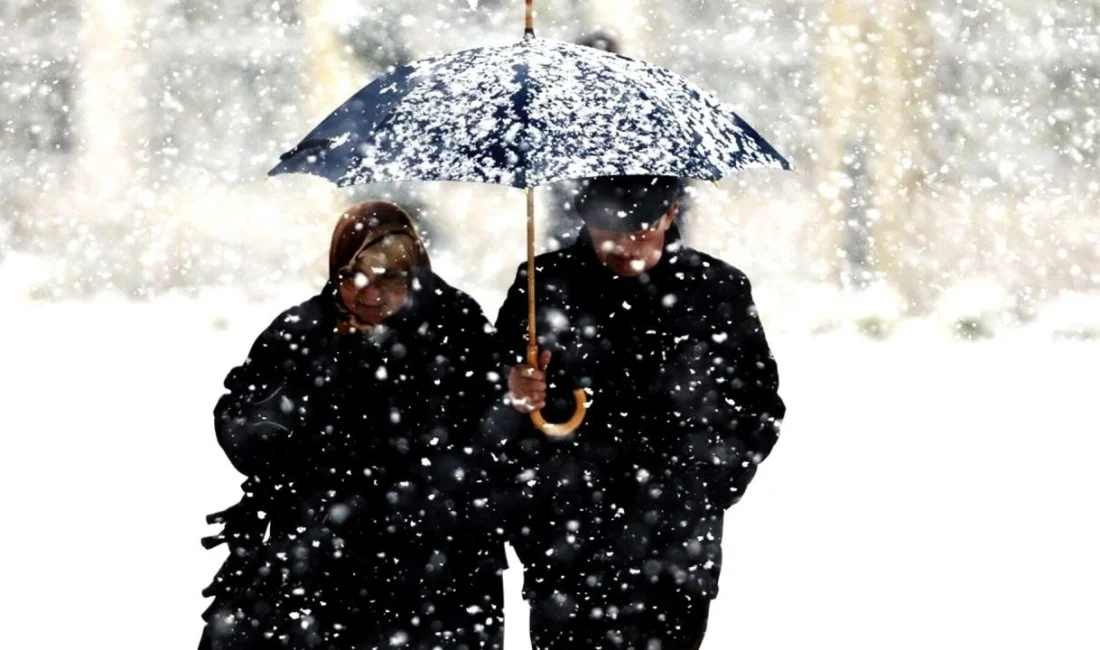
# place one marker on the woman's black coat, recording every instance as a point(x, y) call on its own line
point(364, 457)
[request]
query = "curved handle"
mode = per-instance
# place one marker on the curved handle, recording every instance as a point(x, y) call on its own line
point(558, 430)
point(562, 429)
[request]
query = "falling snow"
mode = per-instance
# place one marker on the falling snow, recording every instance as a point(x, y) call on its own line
point(929, 277)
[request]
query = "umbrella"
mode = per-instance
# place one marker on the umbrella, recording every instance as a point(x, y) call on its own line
point(529, 114)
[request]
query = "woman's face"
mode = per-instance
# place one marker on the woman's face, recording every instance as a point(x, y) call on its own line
point(375, 287)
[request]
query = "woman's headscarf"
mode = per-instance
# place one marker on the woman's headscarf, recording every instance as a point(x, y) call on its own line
point(369, 225)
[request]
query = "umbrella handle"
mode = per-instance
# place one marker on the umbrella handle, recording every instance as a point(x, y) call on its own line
point(559, 430)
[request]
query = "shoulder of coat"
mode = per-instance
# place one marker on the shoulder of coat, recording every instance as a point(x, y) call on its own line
point(555, 259)
point(546, 264)
point(710, 269)
point(454, 300)
point(309, 316)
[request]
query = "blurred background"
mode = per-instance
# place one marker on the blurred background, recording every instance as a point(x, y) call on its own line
point(929, 277)
point(946, 152)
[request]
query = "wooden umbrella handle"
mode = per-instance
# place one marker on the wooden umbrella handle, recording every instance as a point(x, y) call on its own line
point(529, 21)
point(559, 429)
point(579, 396)
point(562, 429)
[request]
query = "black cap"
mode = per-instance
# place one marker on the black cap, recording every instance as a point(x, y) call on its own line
point(625, 203)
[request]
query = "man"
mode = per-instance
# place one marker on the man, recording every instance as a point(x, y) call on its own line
point(620, 528)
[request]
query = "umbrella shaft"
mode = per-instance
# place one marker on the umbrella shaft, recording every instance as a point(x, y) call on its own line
point(532, 342)
point(529, 22)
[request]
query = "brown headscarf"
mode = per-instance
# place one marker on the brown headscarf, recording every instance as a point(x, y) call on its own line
point(364, 224)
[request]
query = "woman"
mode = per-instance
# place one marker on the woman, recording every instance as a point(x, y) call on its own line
point(356, 418)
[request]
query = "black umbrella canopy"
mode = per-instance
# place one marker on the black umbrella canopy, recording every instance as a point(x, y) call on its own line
point(528, 114)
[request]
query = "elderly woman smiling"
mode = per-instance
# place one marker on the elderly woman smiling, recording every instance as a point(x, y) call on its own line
point(356, 419)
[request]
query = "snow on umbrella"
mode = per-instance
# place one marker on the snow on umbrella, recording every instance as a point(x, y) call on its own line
point(529, 114)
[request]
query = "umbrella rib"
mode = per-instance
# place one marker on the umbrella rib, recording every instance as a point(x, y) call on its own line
point(688, 132)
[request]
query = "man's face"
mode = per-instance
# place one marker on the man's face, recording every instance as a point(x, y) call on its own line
point(633, 253)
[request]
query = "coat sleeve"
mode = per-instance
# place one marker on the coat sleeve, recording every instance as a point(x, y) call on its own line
point(519, 445)
point(562, 373)
point(256, 414)
point(748, 428)
point(743, 410)
point(511, 345)
point(511, 325)
point(483, 385)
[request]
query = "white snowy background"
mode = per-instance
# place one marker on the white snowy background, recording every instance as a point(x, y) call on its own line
point(929, 278)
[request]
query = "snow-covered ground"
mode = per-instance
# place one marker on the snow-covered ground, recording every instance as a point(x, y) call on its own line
point(927, 492)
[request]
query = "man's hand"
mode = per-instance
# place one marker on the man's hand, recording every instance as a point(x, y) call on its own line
point(527, 385)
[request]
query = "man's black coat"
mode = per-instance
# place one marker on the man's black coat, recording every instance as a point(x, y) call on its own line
point(684, 406)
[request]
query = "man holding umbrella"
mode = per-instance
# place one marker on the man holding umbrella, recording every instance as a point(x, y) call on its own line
point(620, 528)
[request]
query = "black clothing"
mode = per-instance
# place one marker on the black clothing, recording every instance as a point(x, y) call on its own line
point(684, 408)
point(366, 464)
point(666, 622)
